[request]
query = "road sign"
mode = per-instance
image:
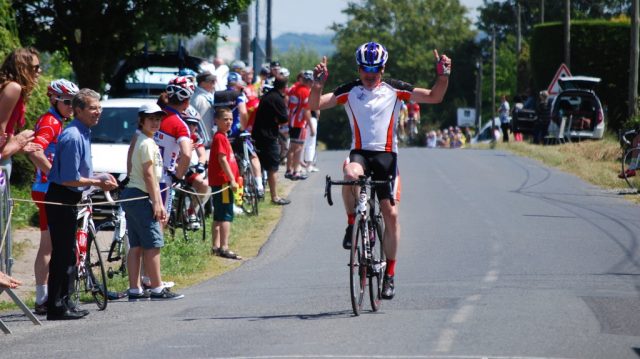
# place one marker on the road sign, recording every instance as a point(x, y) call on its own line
point(554, 86)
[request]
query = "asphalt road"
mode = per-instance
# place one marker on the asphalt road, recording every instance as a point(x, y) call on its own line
point(500, 257)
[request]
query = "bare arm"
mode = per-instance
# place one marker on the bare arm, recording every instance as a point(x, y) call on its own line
point(317, 101)
point(437, 92)
point(185, 158)
point(8, 99)
point(150, 182)
point(224, 164)
point(132, 145)
point(244, 115)
point(105, 182)
point(40, 161)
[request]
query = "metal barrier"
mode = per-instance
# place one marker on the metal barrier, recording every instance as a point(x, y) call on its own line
point(6, 259)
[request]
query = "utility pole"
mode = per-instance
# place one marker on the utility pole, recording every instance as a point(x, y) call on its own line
point(245, 35)
point(493, 83)
point(633, 60)
point(256, 41)
point(268, 49)
point(567, 33)
point(519, 27)
point(542, 11)
point(478, 93)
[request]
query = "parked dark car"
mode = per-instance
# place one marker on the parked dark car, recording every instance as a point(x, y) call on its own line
point(147, 74)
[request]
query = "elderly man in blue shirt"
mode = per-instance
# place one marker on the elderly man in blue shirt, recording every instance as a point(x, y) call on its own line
point(71, 173)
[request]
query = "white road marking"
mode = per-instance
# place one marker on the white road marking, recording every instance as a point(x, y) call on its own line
point(491, 276)
point(462, 314)
point(445, 342)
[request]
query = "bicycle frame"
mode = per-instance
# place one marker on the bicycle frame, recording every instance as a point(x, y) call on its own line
point(85, 221)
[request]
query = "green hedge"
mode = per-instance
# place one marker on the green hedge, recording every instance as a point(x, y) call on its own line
point(599, 48)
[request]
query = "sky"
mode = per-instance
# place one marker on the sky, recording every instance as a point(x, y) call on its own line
point(309, 16)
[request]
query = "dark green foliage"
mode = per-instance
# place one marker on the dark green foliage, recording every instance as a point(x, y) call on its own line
point(599, 48)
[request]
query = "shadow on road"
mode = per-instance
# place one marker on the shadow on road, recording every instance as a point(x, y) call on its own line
point(328, 315)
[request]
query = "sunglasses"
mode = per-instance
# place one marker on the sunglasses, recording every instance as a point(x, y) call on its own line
point(371, 69)
point(35, 68)
point(64, 101)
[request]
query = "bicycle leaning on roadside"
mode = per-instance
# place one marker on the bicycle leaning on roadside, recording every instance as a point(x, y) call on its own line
point(630, 158)
point(250, 195)
point(91, 275)
point(187, 212)
point(366, 264)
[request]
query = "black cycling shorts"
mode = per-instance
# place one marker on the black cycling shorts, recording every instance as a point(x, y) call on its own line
point(296, 135)
point(380, 166)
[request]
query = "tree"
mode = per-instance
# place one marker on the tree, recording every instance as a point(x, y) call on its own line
point(297, 59)
point(410, 30)
point(97, 34)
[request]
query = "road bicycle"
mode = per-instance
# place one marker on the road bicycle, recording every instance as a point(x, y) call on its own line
point(184, 198)
point(250, 195)
point(366, 264)
point(91, 276)
point(630, 159)
point(119, 247)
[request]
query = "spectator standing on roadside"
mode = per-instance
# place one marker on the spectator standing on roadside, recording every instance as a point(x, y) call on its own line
point(144, 216)
point(505, 121)
point(272, 112)
point(202, 100)
point(222, 71)
point(223, 176)
point(71, 174)
point(311, 142)
point(18, 76)
point(542, 117)
point(47, 130)
point(299, 115)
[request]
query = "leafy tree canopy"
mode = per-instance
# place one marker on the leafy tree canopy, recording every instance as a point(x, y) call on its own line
point(97, 34)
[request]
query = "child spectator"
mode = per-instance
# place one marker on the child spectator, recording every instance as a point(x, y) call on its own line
point(223, 174)
point(144, 217)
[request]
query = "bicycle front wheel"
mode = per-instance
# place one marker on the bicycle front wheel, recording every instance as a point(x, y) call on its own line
point(250, 193)
point(357, 268)
point(379, 263)
point(96, 279)
point(629, 168)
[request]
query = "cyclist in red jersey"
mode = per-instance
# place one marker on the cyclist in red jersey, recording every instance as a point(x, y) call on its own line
point(373, 105)
point(47, 129)
point(299, 115)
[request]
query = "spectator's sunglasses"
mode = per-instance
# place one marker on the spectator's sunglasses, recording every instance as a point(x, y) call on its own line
point(371, 69)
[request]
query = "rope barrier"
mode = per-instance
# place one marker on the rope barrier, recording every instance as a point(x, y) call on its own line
point(119, 200)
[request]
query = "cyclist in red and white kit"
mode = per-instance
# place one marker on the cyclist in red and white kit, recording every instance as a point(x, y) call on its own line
point(299, 115)
point(174, 138)
point(47, 129)
point(373, 105)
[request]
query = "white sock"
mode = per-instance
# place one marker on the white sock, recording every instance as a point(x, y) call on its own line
point(157, 290)
point(41, 294)
point(145, 280)
point(135, 290)
point(259, 183)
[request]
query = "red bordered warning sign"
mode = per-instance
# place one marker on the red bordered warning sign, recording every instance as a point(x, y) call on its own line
point(554, 87)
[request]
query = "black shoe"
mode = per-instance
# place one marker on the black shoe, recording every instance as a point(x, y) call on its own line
point(139, 297)
point(388, 288)
point(288, 175)
point(40, 309)
point(68, 314)
point(346, 241)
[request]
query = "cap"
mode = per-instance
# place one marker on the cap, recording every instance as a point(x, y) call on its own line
point(235, 77)
point(205, 76)
point(275, 63)
point(150, 108)
point(307, 75)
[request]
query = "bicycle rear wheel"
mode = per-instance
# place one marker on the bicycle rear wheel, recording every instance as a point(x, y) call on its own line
point(250, 193)
point(629, 167)
point(379, 263)
point(96, 278)
point(357, 269)
point(191, 228)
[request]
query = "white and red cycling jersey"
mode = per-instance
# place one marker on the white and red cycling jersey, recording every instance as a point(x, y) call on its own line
point(374, 114)
point(172, 131)
point(298, 103)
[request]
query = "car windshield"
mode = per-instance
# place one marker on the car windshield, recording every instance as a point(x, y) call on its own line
point(116, 125)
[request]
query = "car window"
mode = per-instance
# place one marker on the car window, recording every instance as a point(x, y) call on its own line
point(116, 125)
point(153, 75)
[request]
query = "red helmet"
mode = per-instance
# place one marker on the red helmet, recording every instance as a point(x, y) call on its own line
point(62, 87)
point(182, 87)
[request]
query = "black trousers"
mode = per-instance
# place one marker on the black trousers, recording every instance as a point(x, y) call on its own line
point(62, 226)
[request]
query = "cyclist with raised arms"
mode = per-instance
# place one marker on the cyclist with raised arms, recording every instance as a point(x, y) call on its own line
point(373, 105)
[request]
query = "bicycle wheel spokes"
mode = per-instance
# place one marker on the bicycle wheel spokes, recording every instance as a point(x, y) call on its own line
point(250, 193)
point(96, 280)
point(357, 269)
point(379, 262)
point(629, 168)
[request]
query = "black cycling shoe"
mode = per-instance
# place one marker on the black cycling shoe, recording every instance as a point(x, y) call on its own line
point(346, 241)
point(388, 288)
